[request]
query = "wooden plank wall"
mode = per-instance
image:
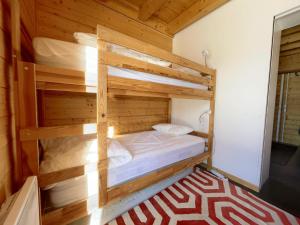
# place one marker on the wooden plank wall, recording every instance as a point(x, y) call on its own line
point(6, 116)
point(7, 137)
point(277, 106)
point(292, 124)
point(289, 62)
point(125, 114)
point(28, 28)
point(290, 50)
point(59, 19)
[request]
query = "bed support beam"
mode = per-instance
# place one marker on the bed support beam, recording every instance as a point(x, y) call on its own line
point(211, 121)
point(125, 62)
point(114, 37)
point(129, 187)
point(102, 123)
point(26, 99)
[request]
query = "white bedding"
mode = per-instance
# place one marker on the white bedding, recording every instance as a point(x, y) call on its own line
point(63, 54)
point(151, 150)
point(67, 152)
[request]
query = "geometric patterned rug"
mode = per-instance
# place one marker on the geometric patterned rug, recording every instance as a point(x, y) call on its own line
point(201, 198)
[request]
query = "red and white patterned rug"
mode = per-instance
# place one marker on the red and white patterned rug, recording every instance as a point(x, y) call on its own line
point(201, 198)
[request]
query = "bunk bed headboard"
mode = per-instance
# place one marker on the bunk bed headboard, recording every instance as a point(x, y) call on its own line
point(125, 114)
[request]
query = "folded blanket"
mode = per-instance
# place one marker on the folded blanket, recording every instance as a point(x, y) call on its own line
point(62, 153)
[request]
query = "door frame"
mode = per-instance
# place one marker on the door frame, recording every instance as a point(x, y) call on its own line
point(281, 22)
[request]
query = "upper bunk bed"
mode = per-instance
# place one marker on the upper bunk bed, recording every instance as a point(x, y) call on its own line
point(134, 68)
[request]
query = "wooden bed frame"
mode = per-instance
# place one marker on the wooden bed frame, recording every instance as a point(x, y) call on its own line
point(30, 77)
point(25, 205)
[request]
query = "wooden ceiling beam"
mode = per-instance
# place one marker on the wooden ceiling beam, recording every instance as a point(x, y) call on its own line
point(193, 13)
point(132, 11)
point(149, 7)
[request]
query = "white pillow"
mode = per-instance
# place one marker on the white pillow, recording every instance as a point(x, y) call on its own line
point(173, 129)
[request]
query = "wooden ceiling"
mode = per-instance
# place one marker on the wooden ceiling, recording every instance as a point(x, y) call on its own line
point(166, 16)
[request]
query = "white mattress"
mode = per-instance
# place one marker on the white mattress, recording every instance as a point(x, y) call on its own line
point(75, 56)
point(151, 150)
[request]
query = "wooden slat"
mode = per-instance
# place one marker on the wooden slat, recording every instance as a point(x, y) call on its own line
point(45, 179)
point(211, 124)
point(119, 92)
point(118, 38)
point(290, 31)
point(16, 29)
point(137, 85)
point(28, 116)
point(67, 214)
point(200, 134)
point(149, 7)
point(153, 177)
point(290, 38)
point(195, 12)
point(44, 70)
point(120, 61)
point(289, 64)
point(102, 122)
point(113, 91)
point(48, 86)
point(290, 46)
point(29, 134)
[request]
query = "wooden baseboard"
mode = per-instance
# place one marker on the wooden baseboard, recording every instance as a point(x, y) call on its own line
point(235, 179)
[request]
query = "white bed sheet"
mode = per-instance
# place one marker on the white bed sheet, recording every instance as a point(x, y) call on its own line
point(151, 150)
point(63, 54)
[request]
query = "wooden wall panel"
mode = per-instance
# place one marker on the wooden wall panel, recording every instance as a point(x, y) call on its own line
point(6, 167)
point(290, 50)
point(292, 124)
point(292, 121)
point(125, 114)
point(28, 28)
point(277, 105)
point(61, 18)
point(7, 137)
point(289, 62)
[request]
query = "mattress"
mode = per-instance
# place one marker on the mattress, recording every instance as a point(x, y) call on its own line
point(69, 55)
point(151, 150)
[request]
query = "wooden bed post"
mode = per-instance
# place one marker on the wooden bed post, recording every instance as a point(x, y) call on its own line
point(211, 121)
point(26, 159)
point(102, 122)
point(170, 110)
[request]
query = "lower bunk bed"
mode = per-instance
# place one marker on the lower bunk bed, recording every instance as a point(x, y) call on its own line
point(132, 155)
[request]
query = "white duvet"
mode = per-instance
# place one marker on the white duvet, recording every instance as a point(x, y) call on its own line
point(61, 153)
point(63, 54)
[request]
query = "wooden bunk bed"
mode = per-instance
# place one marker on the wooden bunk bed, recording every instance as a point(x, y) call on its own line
point(30, 78)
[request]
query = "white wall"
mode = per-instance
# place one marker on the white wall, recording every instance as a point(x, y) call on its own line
point(239, 38)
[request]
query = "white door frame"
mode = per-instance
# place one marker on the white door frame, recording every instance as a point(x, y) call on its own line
point(282, 21)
